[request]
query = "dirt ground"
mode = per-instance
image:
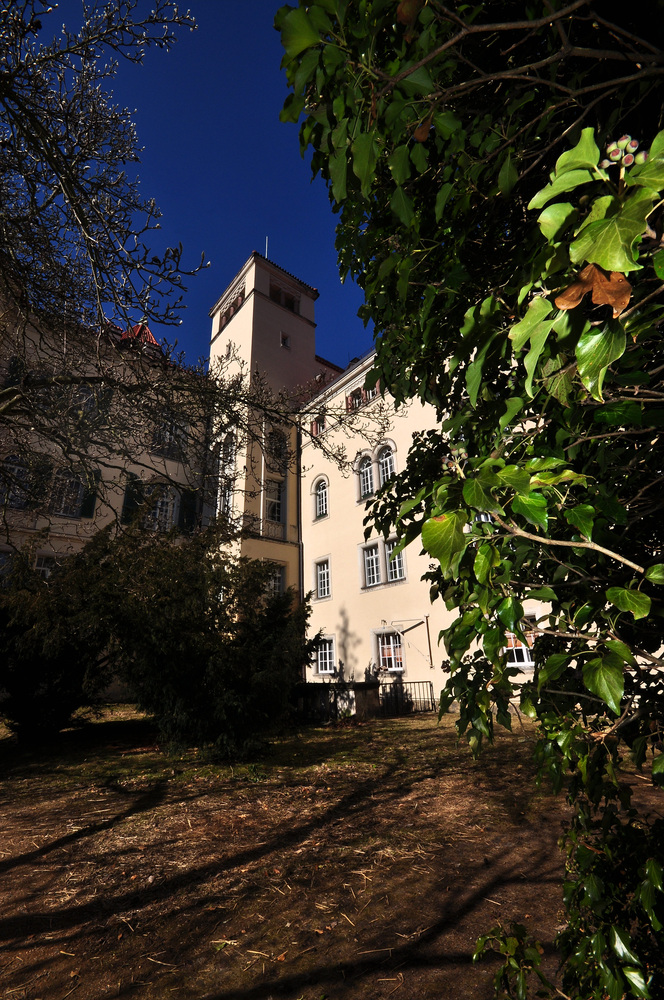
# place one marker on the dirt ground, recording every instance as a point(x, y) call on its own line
point(352, 861)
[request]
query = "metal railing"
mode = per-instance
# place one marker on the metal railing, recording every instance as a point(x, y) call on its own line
point(399, 697)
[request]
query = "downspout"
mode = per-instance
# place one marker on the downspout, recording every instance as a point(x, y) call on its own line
point(300, 544)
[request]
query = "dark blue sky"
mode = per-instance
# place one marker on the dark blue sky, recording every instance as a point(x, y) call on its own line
point(225, 172)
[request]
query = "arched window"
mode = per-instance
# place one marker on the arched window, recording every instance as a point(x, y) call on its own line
point(321, 498)
point(365, 471)
point(385, 464)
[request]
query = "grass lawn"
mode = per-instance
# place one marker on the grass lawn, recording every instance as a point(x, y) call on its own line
point(355, 861)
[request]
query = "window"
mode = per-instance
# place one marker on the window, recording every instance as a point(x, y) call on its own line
point(385, 465)
point(45, 566)
point(277, 452)
point(390, 652)
point(276, 583)
point(321, 498)
point(325, 656)
point(67, 494)
point(274, 501)
point(162, 515)
point(169, 439)
point(370, 394)
point(355, 400)
point(14, 483)
point(323, 578)
point(371, 566)
point(520, 654)
point(395, 566)
point(285, 341)
point(366, 477)
point(318, 425)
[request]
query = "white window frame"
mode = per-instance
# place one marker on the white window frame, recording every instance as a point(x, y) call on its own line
point(325, 657)
point(371, 565)
point(67, 494)
point(396, 569)
point(274, 505)
point(276, 583)
point(323, 579)
point(366, 477)
point(164, 509)
point(385, 464)
point(390, 652)
point(321, 499)
point(520, 654)
point(16, 485)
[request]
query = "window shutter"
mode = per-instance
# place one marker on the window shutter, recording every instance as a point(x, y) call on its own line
point(188, 510)
point(89, 501)
point(133, 499)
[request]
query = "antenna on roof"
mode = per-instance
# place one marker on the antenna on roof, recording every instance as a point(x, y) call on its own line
point(266, 247)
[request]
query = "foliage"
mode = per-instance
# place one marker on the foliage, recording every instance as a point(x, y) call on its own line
point(196, 635)
point(52, 651)
point(522, 956)
point(530, 316)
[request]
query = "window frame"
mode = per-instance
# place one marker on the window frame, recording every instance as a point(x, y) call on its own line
point(321, 506)
point(392, 642)
point(323, 574)
point(327, 643)
point(396, 568)
point(365, 475)
point(371, 565)
point(385, 462)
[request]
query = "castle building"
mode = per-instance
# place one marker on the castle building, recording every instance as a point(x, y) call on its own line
point(369, 602)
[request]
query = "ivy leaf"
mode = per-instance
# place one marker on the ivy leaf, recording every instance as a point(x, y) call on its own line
point(515, 477)
point(655, 573)
point(402, 206)
point(297, 32)
point(566, 182)
point(510, 612)
point(338, 166)
point(534, 508)
point(555, 665)
point(512, 407)
point(584, 154)
point(609, 242)
point(399, 164)
point(636, 980)
point(658, 264)
point(620, 942)
point(523, 331)
point(365, 155)
point(629, 600)
point(555, 218)
point(441, 200)
point(603, 676)
point(622, 650)
point(444, 538)
point(658, 765)
point(582, 518)
point(597, 348)
point(508, 176)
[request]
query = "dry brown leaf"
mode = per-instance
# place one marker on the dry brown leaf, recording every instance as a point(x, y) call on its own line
point(607, 290)
point(421, 133)
point(408, 10)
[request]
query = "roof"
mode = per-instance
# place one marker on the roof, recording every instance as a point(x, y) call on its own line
point(140, 332)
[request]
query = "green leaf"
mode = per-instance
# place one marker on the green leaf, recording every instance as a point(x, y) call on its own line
point(510, 612)
point(622, 650)
point(598, 347)
point(522, 331)
point(402, 206)
point(555, 218)
point(534, 508)
point(629, 600)
point(444, 538)
point(419, 82)
point(555, 665)
point(365, 155)
point(399, 164)
point(297, 32)
point(512, 407)
point(515, 477)
point(441, 200)
point(655, 573)
point(508, 176)
point(476, 496)
point(658, 765)
point(609, 242)
point(338, 166)
point(620, 942)
point(582, 517)
point(603, 676)
point(658, 264)
point(636, 980)
point(566, 182)
point(585, 154)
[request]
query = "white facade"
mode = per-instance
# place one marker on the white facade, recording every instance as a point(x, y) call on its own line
point(369, 603)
